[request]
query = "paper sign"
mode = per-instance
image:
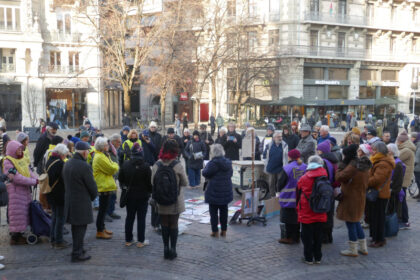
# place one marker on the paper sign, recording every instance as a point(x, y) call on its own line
point(249, 205)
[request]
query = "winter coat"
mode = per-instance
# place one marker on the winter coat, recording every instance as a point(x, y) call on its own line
point(305, 183)
point(19, 191)
point(220, 121)
point(181, 178)
point(218, 172)
point(41, 147)
point(407, 156)
point(103, 170)
point(232, 148)
point(80, 191)
point(149, 152)
point(157, 140)
point(56, 196)
point(192, 148)
point(380, 175)
point(221, 140)
point(176, 138)
point(270, 165)
point(354, 182)
point(417, 158)
point(322, 139)
point(306, 147)
point(393, 130)
point(136, 174)
point(184, 144)
point(206, 136)
point(292, 140)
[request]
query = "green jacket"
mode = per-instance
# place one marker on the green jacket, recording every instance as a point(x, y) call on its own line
point(220, 121)
point(103, 170)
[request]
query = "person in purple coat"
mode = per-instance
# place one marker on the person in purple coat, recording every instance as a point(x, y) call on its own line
point(21, 179)
point(286, 185)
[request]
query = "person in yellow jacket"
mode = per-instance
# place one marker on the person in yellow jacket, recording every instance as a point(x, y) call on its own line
point(103, 171)
point(133, 137)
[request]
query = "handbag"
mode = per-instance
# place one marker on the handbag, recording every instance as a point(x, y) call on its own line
point(373, 194)
point(391, 223)
point(123, 196)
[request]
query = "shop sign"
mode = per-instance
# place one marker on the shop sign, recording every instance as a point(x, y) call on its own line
point(183, 96)
point(390, 84)
point(326, 82)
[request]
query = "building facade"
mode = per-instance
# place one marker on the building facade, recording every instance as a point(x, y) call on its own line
point(51, 67)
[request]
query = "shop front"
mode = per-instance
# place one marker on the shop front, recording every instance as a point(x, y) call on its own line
point(11, 105)
point(183, 105)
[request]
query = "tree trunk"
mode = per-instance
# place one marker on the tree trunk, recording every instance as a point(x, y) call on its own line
point(162, 111)
point(127, 101)
point(195, 114)
point(213, 93)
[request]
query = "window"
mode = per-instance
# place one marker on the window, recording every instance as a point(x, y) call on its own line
point(68, 24)
point(313, 73)
point(313, 92)
point(368, 75)
point(17, 19)
point(367, 92)
point(252, 8)
point(391, 92)
point(370, 11)
point(314, 6)
point(64, 23)
point(60, 26)
point(231, 7)
point(341, 43)
point(274, 7)
point(369, 42)
point(338, 92)
point(10, 18)
point(74, 61)
point(252, 40)
point(342, 7)
point(55, 61)
point(314, 38)
point(337, 74)
point(389, 75)
point(273, 37)
point(392, 44)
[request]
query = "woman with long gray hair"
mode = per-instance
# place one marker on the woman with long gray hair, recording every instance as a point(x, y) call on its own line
point(218, 172)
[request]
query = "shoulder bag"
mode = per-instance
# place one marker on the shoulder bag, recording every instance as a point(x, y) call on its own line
point(373, 194)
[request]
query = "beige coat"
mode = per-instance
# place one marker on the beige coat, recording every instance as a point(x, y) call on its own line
point(181, 177)
point(407, 156)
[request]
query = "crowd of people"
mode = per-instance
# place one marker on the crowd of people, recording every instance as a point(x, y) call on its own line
point(369, 173)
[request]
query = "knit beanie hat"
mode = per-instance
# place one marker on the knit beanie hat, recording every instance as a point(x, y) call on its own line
point(196, 133)
point(333, 141)
point(402, 137)
point(126, 128)
point(293, 154)
point(356, 130)
point(324, 147)
point(57, 140)
point(366, 149)
point(21, 137)
point(84, 134)
point(350, 152)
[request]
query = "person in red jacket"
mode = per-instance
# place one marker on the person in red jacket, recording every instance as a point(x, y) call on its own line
point(312, 223)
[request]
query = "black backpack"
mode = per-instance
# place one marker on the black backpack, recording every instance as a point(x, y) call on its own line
point(322, 196)
point(165, 186)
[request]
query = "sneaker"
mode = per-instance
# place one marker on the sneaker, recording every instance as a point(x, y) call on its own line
point(307, 262)
point(404, 226)
point(108, 219)
point(317, 262)
point(142, 244)
point(1, 266)
point(115, 216)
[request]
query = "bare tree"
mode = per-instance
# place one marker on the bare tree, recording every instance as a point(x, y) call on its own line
point(32, 103)
point(126, 34)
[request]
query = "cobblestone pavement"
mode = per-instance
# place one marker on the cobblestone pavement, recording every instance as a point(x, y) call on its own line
point(247, 253)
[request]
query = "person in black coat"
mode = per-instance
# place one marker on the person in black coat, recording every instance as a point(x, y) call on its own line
point(194, 153)
point(393, 129)
point(291, 139)
point(80, 191)
point(219, 192)
point(155, 137)
point(207, 140)
point(55, 198)
point(42, 146)
point(170, 135)
point(149, 148)
point(136, 175)
point(233, 143)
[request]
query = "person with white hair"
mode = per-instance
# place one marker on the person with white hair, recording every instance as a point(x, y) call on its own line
point(275, 156)
point(218, 172)
point(394, 204)
point(103, 170)
point(222, 138)
point(155, 137)
point(55, 198)
point(324, 134)
point(312, 223)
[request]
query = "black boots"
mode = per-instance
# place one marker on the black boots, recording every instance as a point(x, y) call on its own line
point(165, 238)
point(174, 238)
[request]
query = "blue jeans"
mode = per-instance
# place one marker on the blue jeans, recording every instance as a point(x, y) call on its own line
point(57, 223)
point(355, 231)
point(111, 206)
point(194, 176)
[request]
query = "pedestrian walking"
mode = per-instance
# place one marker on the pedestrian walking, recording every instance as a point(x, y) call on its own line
point(218, 194)
point(275, 157)
point(19, 191)
point(220, 122)
point(80, 191)
point(306, 144)
point(312, 223)
point(194, 153)
point(286, 186)
point(169, 214)
point(103, 170)
point(416, 140)
point(407, 155)
point(56, 197)
point(212, 124)
point(177, 125)
point(233, 143)
point(393, 129)
point(353, 174)
point(185, 121)
point(207, 139)
point(136, 175)
point(379, 179)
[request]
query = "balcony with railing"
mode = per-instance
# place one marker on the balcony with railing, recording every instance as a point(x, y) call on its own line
point(343, 19)
point(60, 70)
point(63, 37)
point(7, 68)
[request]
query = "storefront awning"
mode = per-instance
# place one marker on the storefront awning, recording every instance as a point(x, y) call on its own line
point(294, 101)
